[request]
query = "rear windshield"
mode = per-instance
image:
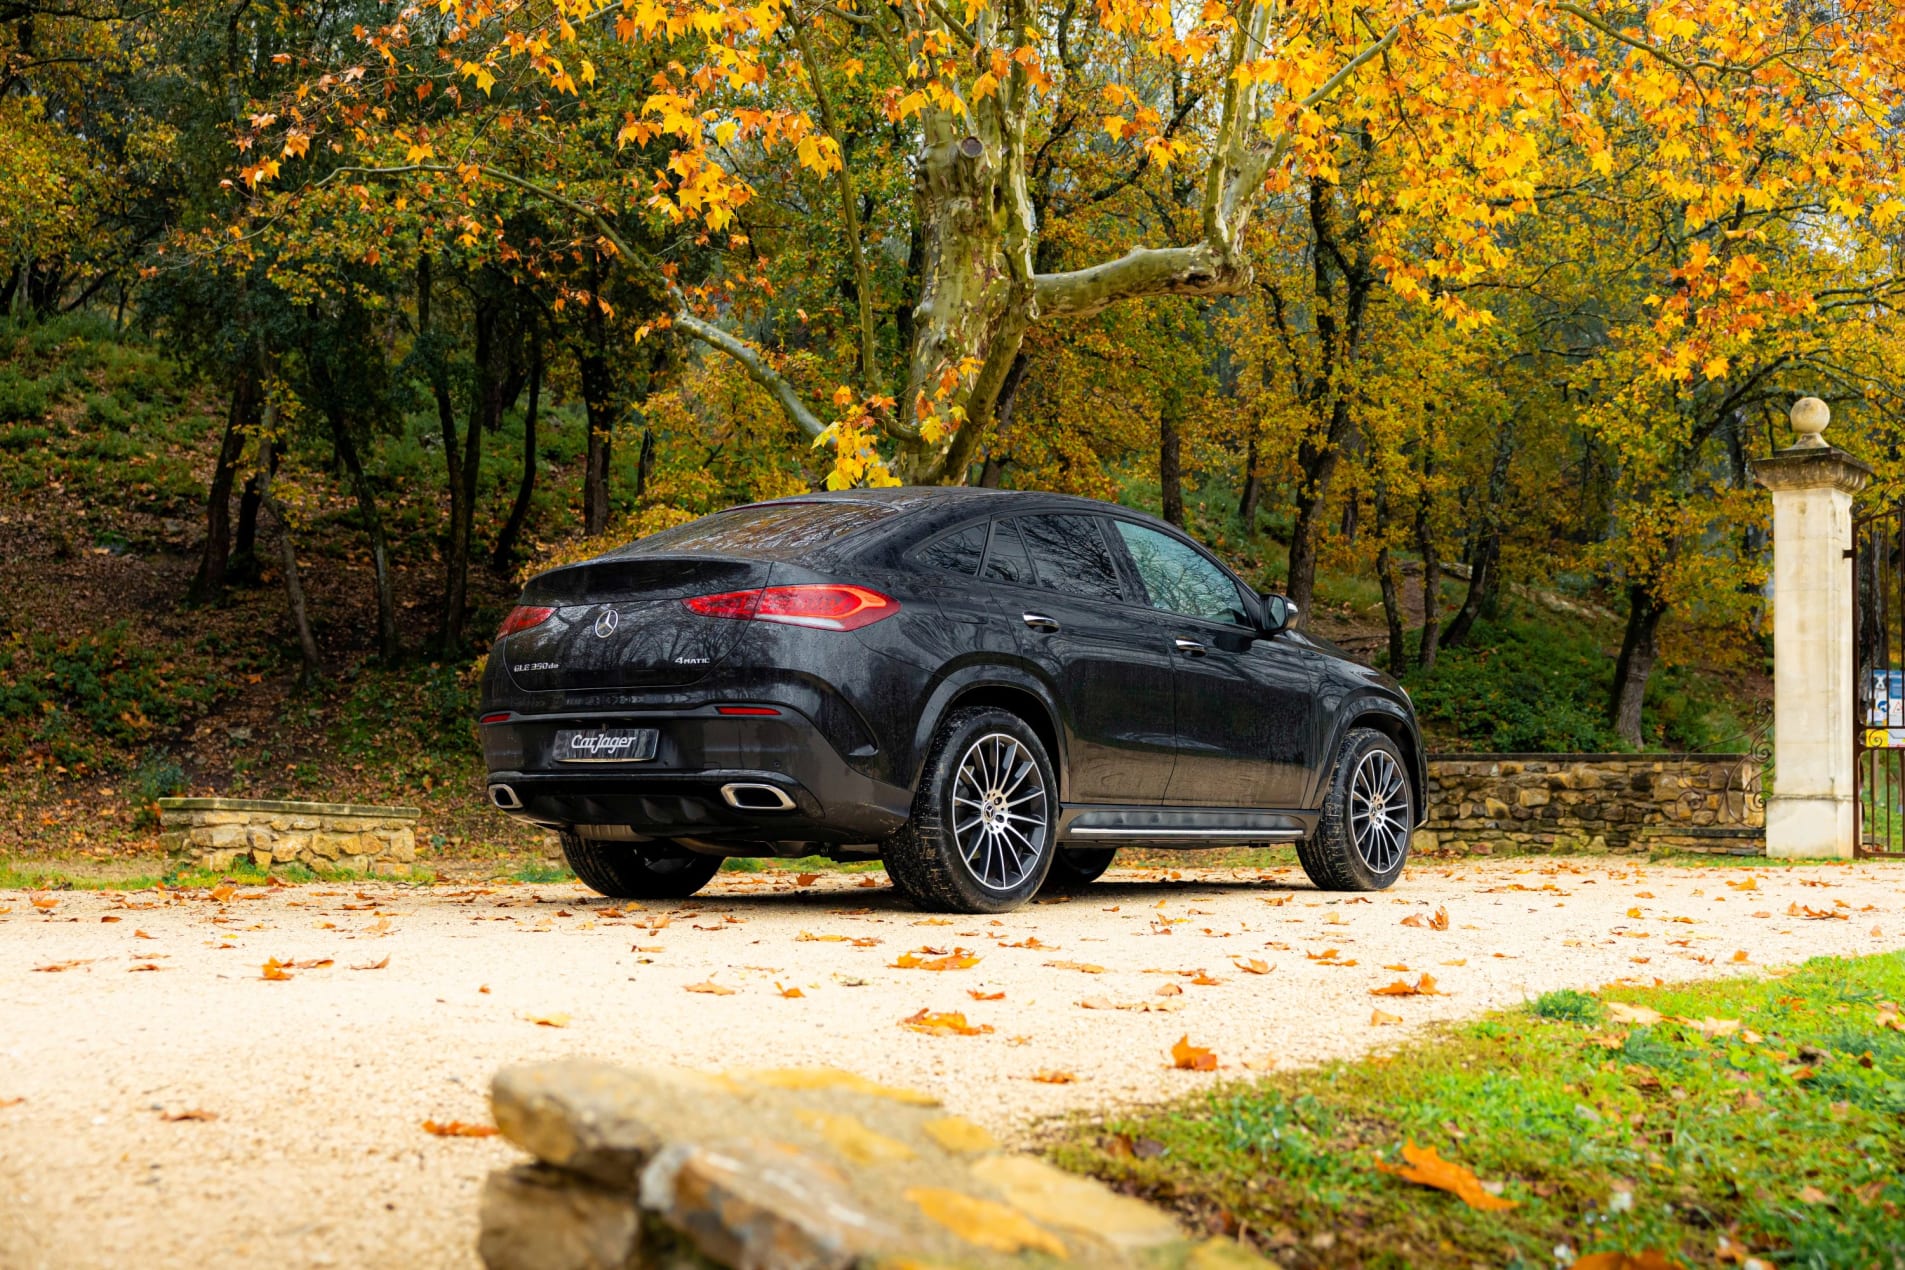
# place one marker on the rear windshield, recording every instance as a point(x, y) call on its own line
point(780, 531)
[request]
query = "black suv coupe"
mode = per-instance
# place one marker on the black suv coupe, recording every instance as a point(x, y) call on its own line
point(990, 691)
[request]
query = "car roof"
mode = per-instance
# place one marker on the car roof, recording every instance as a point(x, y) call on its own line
point(948, 498)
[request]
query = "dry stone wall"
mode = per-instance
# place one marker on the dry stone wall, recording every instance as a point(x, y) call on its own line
point(1480, 803)
point(213, 832)
point(661, 1167)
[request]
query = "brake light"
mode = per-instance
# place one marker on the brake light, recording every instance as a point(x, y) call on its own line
point(522, 617)
point(827, 606)
point(746, 710)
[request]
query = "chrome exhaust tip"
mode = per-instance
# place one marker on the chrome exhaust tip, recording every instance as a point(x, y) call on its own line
point(505, 797)
point(746, 797)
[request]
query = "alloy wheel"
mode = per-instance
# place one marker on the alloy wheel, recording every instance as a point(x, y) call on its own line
point(1379, 811)
point(999, 811)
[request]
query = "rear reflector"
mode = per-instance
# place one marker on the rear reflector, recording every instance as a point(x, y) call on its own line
point(749, 710)
point(521, 618)
point(495, 718)
point(827, 607)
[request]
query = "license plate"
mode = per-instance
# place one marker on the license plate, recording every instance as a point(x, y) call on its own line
point(605, 745)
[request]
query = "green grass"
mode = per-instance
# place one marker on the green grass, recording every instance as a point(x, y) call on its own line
point(53, 875)
point(1608, 1136)
point(540, 872)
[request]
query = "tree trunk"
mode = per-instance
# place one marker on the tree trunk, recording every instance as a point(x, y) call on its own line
point(526, 488)
point(644, 463)
point(596, 388)
point(1386, 579)
point(288, 556)
point(388, 645)
point(244, 566)
point(486, 401)
point(1253, 485)
point(209, 583)
point(1170, 467)
point(1431, 574)
point(1318, 461)
point(1636, 663)
point(1484, 557)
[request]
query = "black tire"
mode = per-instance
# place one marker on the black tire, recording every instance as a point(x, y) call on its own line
point(997, 860)
point(1077, 869)
point(628, 871)
point(1362, 840)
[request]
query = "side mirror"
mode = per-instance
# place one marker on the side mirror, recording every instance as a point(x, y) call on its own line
point(1279, 614)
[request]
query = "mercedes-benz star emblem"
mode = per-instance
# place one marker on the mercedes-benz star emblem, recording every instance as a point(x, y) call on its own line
point(605, 625)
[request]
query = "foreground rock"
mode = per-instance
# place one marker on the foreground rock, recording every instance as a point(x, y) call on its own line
point(660, 1167)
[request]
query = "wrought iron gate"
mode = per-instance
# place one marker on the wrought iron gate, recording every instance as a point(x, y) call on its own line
point(1878, 680)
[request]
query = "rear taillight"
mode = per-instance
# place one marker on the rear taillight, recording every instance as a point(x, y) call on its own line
point(827, 607)
point(522, 617)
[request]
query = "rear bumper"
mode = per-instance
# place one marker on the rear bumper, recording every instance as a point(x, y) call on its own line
point(790, 783)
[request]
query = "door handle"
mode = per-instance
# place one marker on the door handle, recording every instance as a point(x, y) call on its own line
point(1190, 648)
point(1040, 622)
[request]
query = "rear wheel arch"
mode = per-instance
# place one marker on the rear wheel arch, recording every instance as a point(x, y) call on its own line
point(989, 687)
point(1022, 702)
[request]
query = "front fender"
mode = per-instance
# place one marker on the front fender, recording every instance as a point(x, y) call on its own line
point(1366, 706)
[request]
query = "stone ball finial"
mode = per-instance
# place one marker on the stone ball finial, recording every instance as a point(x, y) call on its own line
point(1810, 417)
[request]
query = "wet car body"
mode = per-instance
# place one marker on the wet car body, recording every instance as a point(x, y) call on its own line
point(774, 736)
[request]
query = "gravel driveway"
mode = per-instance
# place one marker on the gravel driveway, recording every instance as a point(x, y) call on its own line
point(119, 1014)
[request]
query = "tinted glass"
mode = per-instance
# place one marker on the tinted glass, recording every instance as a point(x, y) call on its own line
point(784, 530)
point(1005, 558)
point(956, 552)
point(1071, 555)
point(1178, 578)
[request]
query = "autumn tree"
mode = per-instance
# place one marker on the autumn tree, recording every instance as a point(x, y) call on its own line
point(1244, 100)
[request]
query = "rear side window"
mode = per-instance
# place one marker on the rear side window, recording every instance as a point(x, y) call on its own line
point(1005, 558)
point(1178, 578)
point(957, 552)
point(1071, 556)
point(786, 531)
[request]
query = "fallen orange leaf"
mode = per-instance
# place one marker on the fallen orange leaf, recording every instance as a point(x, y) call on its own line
point(711, 988)
point(948, 1024)
point(1440, 921)
point(1381, 1018)
point(458, 1129)
point(1251, 966)
point(1083, 967)
point(1424, 986)
point(790, 993)
point(378, 965)
point(1423, 1166)
point(223, 892)
point(1053, 1077)
point(1649, 1260)
point(1192, 1058)
point(806, 879)
point(977, 995)
point(274, 969)
point(547, 1020)
point(957, 959)
point(194, 1114)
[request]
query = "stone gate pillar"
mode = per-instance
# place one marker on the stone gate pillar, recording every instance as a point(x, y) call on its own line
point(1811, 810)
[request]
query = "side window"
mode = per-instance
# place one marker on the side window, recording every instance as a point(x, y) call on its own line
point(1071, 555)
point(1005, 558)
point(956, 552)
point(1181, 579)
